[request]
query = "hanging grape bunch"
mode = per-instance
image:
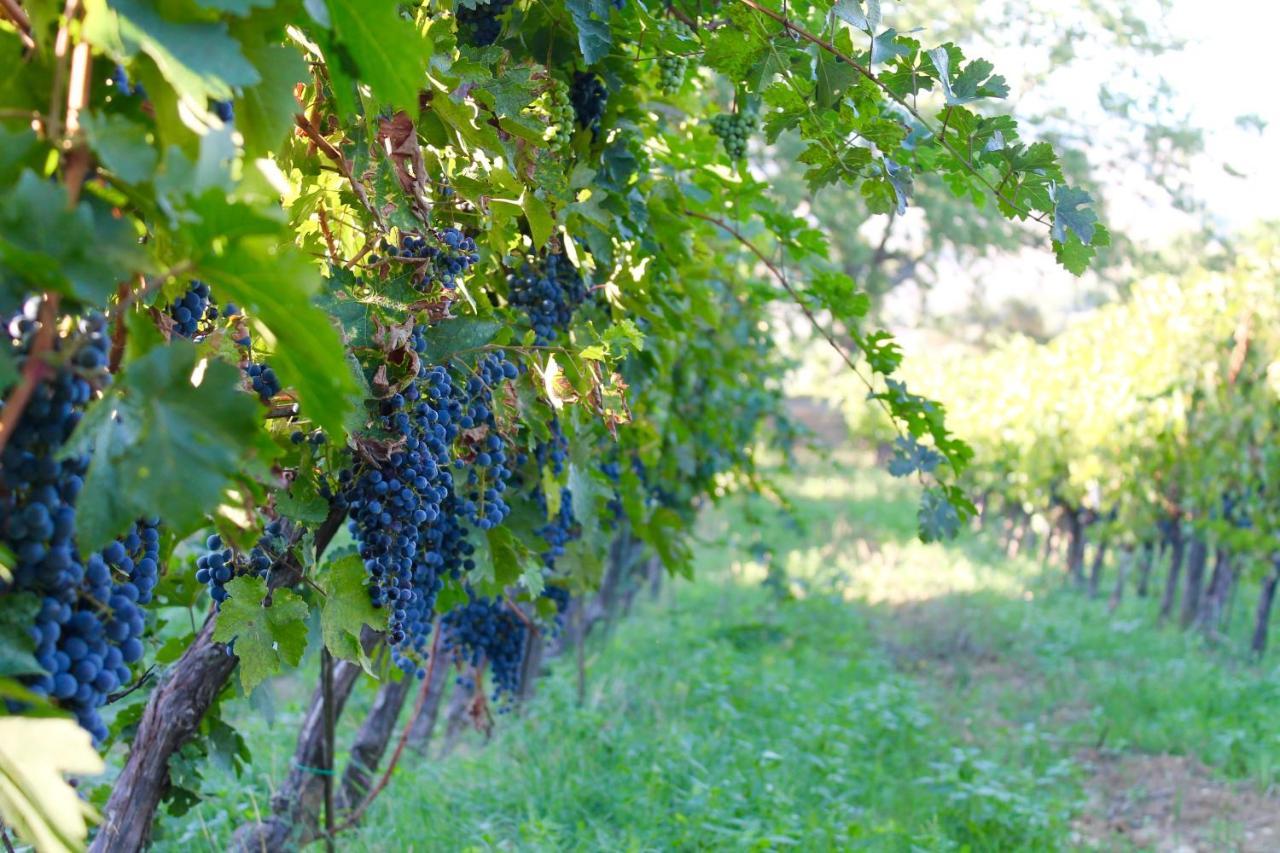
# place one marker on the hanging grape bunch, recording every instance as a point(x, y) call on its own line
point(734, 129)
point(88, 626)
point(482, 21)
point(672, 66)
point(560, 115)
point(588, 96)
point(442, 257)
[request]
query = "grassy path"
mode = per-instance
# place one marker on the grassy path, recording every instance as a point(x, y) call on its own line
point(887, 696)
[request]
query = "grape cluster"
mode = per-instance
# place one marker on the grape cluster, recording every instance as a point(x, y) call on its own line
point(672, 66)
point(560, 115)
point(734, 129)
point(407, 512)
point(120, 79)
point(549, 293)
point(264, 381)
point(588, 96)
point(89, 624)
point(558, 531)
point(443, 259)
point(482, 21)
point(194, 306)
point(488, 472)
point(218, 565)
point(486, 631)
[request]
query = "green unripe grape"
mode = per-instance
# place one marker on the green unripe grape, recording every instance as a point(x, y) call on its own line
point(560, 116)
point(734, 130)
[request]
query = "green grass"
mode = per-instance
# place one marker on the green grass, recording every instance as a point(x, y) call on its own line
point(898, 696)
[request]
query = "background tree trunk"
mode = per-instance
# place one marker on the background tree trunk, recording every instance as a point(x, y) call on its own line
point(1150, 555)
point(1214, 604)
point(1197, 556)
point(1266, 598)
point(1075, 546)
point(371, 740)
point(1122, 570)
point(1095, 569)
point(425, 725)
point(1170, 596)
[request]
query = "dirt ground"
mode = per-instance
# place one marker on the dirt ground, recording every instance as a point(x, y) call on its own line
point(1172, 804)
point(1135, 801)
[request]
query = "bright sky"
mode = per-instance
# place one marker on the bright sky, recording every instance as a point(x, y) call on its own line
point(1227, 70)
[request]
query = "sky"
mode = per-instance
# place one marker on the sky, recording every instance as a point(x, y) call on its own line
point(1229, 69)
point(1226, 70)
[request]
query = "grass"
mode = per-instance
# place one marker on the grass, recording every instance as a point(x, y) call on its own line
point(877, 693)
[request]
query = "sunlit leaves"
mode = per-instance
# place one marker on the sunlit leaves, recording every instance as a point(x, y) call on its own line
point(36, 754)
point(198, 58)
point(388, 52)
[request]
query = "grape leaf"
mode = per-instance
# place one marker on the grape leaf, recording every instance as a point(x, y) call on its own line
point(450, 337)
point(937, 517)
point(910, 456)
point(121, 146)
point(885, 47)
point(1070, 213)
point(264, 113)
point(35, 799)
point(8, 370)
point(347, 609)
point(81, 252)
point(591, 17)
point(265, 637)
point(17, 650)
point(199, 59)
point(235, 7)
point(164, 445)
point(273, 282)
point(389, 51)
point(851, 12)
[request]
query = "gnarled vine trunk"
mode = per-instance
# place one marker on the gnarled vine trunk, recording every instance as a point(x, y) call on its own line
point(1197, 557)
point(1262, 617)
point(171, 717)
point(1214, 604)
point(1170, 596)
point(1095, 568)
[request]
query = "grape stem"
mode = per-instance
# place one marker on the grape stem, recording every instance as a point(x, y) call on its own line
point(310, 131)
point(142, 679)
